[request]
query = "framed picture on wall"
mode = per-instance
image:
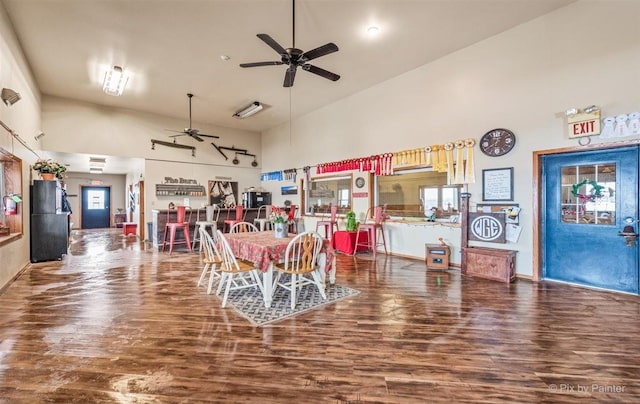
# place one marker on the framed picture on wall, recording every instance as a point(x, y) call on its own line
point(223, 193)
point(497, 184)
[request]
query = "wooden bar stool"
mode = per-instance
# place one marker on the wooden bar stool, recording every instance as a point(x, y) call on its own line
point(183, 217)
point(373, 229)
point(329, 224)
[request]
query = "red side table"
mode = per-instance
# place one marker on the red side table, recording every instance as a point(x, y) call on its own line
point(345, 241)
point(129, 228)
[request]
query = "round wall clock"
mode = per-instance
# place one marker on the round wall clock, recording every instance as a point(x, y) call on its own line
point(497, 142)
point(359, 182)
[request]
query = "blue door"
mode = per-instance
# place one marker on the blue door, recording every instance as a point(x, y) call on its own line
point(95, 207)
point(588, 197)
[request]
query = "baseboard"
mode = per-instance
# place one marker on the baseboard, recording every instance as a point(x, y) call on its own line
point(16, 276)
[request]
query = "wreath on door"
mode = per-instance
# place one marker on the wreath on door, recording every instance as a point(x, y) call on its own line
point(595, 193)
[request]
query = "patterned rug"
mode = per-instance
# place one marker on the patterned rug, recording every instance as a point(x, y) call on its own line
point(249, 304)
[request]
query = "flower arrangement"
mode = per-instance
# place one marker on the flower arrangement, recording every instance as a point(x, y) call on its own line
point(278, 215)
point(50, 167)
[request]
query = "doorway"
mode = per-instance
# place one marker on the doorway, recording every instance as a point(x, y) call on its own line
point(587, 198)
point(96, 203)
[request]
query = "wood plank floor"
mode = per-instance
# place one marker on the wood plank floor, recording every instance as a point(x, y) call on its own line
point(116, 321)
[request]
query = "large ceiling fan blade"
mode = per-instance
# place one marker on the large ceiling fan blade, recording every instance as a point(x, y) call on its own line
point(177, 131)
point(289, 76)
point(205, 135)
point(321, 72)
point(256, 64)
point(196, 137)
point(272, 43)
point(320, 51)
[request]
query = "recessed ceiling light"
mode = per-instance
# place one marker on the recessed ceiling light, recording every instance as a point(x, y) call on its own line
point(225, 57)
point(373, 30)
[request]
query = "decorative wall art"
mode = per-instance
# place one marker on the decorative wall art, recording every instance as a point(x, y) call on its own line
point(497, 184)
point(223, 193)
point(489, 227)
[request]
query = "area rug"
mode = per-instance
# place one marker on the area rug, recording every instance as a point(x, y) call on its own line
point(249, 304)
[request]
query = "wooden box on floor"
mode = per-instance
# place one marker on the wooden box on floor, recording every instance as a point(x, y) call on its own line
point(437, 256)
point(490, 263)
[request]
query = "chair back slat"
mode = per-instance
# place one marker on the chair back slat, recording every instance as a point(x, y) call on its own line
point(334, 212)
point(302, 252)
point(229, 262)
point(243, 227)
point(239, 213)
point(378, 215)
point(211, 252)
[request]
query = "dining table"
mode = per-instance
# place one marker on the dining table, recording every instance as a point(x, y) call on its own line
point(264, 249)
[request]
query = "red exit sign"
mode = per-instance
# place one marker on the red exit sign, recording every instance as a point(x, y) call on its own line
point(583, 124)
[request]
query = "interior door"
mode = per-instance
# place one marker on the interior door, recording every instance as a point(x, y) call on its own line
point(96, 202)
point(588, 198)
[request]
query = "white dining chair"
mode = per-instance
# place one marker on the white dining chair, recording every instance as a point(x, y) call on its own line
point(243, 227)
point(212, 259)
point(232, 271)
point(301, 260)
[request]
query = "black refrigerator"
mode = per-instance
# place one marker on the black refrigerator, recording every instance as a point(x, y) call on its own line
point(49, 225)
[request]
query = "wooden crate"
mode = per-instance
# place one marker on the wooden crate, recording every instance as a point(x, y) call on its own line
point(437, 256)
point(490, 263)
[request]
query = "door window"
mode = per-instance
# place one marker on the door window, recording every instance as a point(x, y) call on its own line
point(588, 194)
point(95, 199)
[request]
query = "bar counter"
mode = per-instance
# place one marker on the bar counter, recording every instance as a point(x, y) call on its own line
point(159, 221)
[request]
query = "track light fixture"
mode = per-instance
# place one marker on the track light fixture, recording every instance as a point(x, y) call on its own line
point(39, 135)
point(9, 96)
point(249, 110)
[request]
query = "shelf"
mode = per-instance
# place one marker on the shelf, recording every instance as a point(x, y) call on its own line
point(180, 190)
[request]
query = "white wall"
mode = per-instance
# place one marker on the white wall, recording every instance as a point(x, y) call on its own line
point(523, 79)
point(75, 182)
point(24, 118)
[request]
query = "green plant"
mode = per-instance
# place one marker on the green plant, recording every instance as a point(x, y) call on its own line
point(49, 166)
point(352, 224)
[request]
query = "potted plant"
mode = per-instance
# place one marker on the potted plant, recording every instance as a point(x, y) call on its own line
point(49, 169)
point(279, 219)
point(352, 224)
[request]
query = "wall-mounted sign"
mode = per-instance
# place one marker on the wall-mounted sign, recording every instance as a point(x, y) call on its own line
point(171, 180)
point(489, 227)
point(360, 194)
point(583, 124)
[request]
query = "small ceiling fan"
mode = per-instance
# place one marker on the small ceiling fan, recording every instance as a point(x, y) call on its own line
point(194, 133)
point(294, 57)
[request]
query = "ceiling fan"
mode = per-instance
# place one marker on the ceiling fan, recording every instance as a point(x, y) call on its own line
point(294, 57)
point(194, 133)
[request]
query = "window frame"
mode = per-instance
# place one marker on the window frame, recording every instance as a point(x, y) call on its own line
point(309, 206)
point(407, 213)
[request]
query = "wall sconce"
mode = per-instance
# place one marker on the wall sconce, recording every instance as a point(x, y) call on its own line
point(249, 110)
point(9, 96)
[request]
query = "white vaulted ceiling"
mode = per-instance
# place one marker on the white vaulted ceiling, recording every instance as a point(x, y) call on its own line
point(173, 47)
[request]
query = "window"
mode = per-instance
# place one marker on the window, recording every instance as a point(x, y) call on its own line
point(413, 193)
point(325, 192)
point(588, 194)
point(10, 192)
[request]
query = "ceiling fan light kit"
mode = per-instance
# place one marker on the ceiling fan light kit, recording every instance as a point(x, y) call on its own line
point(249, 110)
point(115, 80)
